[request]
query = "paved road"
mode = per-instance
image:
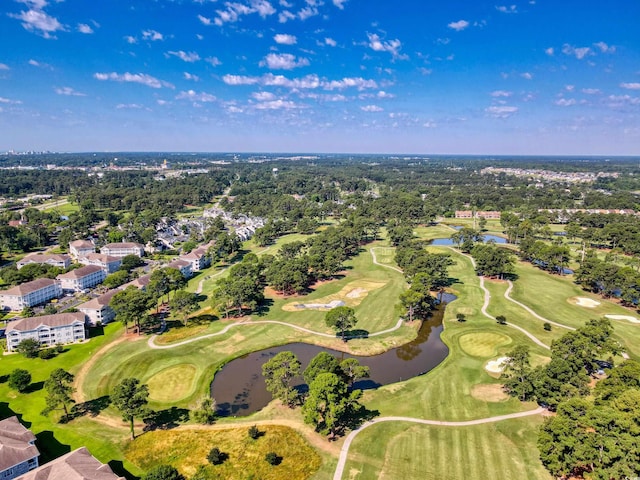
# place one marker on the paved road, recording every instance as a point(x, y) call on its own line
point(342, 460)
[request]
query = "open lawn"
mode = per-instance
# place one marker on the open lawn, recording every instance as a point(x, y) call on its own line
point(187, 449)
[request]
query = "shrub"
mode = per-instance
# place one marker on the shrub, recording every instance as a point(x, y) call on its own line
point(20, 380)
point(253, 432)
point(59, 348)
point(547, 326)
point(461, 317)
point(47, 353)
point(163, 472)
point(272, 458)
point(501, 319)
point(28, 347)
point(216, 457)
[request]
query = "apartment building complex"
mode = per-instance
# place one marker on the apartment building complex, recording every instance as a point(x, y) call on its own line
point(60, 261)
point(48, 330)
point(123, 249)
point(30, 294)
point(81, 278)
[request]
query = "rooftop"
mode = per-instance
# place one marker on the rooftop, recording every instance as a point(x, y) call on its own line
point(29, 287)
point(99, 302)
point(15, 446)
point(80, 272)
point(76, 465)
point(57, 320)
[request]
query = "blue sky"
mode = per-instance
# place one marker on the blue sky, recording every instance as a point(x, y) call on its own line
point(405, 76)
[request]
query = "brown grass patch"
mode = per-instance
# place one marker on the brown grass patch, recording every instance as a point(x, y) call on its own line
point(489, 392)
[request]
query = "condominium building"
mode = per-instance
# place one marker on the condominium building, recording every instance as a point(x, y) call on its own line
point(30, 294)
point(18, 453)
point(183, 266)
point(81, 278)
point(198, 258)
point(48, 330)
point(81, 248)
point(98, 309)
point(123, 249)
point(108, 263)
point(76, 465)
point(60, 261)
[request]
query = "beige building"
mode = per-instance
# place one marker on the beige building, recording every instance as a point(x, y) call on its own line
point(30, 294)
point(60, 261)
point(49, 330)
point(18, 453)
point(81, 278)
point(198, 258)
point(183, 266)
point(123, 249)
point(98, 309)
point(81, 248)
point(108, 263)
point(76, 465)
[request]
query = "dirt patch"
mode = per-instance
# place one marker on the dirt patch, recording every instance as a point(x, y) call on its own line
point(585, 302)
point(489, 392)
point(623, 317)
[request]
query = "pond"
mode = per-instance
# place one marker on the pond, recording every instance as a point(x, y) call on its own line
point(239, 387)
point(448, 242)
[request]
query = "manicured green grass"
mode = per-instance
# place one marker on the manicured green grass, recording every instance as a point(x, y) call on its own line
point(186, 450)
point(409, 451)
point(483, 344)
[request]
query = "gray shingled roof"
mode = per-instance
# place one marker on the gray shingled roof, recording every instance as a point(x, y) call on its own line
point(76, 465)
point(14, 443)
point(57, 320)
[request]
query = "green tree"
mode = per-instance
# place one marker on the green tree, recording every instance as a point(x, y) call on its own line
point(19, 380)
point(59, 388)
point(163, 472)
point(132, 306)
point(341, 319)
point(216, 457)
point(28, 347)
point(129, 262)
point(183, 304)
point(131, 398)
point(116, 279)
point(517, 372)
point(323, 362)
point(351, 370)
point(278, 374)
point(205, 414)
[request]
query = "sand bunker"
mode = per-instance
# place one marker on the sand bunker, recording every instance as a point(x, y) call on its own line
point(623, 317)
point(496, 366)
point(489, 392)
point(319, 306)
point(587, 302)
point(350, 295)
point(356, 293)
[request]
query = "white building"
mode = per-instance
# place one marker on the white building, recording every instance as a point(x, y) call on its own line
point(198, 257)
point(48, 330)
point(60, 261)
point(76, 465)
point(30, 294)
point(81, 248)
point(123, 249)
point(81, 278)
point(98, 309)
point(183, 266)
point(108, 263)
point(18, 453)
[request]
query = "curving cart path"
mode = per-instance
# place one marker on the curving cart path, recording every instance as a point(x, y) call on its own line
point(507, 295)
point(344, 452)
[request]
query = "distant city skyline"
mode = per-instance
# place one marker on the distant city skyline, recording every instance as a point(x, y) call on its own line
point(351, 76)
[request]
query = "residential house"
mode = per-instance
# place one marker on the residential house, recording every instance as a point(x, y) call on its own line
point(98, 309)
point(18, 453)
point(30, 294)
point(108, 263)
point(464, 214)
point(81, 248)
point(81, 278)
point(182, 265)
point(489, 215)
point(140, 282)
point(76, 465)
point(60, 261)
point(198, 258)
point(48, 329)
point(123, 249)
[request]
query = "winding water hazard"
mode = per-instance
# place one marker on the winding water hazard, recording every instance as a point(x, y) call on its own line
point(239, 387)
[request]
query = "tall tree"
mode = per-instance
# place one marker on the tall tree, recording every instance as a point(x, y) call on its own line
point(59, 390)
point(131, 398)
point(278, 374)
point(517, 372)
point(183, 304)
point(341, 319)
point(132, 306)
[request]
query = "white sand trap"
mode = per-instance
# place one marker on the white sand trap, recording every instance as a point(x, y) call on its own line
point(623, 317)
point(356, 292)
point(496, 366)
point(587, 302)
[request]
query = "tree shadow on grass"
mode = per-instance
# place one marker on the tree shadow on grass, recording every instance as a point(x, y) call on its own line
point(4, 378)
point(166, 419)
point(34, 387)
point(49, 447)
point(263, 308)
point(97, 331)
point(91, 407)
point(118, 468)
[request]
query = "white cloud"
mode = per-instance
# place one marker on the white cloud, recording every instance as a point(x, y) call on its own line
point(194, 96)
point(308, 12)
point(214, 61)
point(283, 61)
point(549, 51)
point(131, 39)
point(9, 101)
point(4, 66)
point(578, 52)
point(263, 96)
point(84, 28)
point(459, 25)
point(569, 88)
point(127, 77)
point(204, 20)
point(68, 91)
point(235, 10)
point(563, 102)
point(502, 111)
point(189, 57)
point(507, 9)
point(285, 16)
point(350, 82)
point(392, 46)
point(190, 76)
point(371, 108)
point(340, 3)
point(39, 22)
point(306, 82)
point(330, 41)
point(501, 93)
point(383, 94)
point(591, 91)
point(152, 35)
point(284, 39)
point(240, 80)
point(129, 106)
point(279, 104)
point(429, 124)
point(526, 75)
point(620, 101)
point(604, 48)
point(631, 86)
